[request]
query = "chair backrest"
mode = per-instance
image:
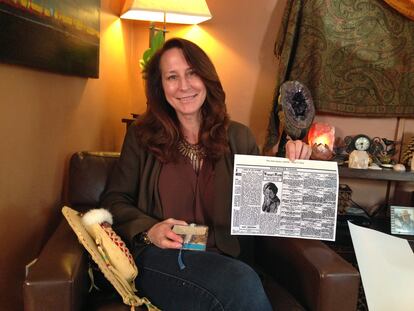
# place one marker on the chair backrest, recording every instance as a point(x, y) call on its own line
point(88, 175)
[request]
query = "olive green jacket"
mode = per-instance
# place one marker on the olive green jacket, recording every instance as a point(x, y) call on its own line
point(132, 193)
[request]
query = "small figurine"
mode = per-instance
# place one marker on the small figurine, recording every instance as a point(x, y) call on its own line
point(358, 159)
point(399, 168)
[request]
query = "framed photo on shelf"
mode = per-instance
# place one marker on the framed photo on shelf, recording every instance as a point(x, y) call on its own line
point(402, 220)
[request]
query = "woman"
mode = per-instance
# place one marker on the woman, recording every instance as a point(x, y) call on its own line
point(176, 168)
point(271, 202)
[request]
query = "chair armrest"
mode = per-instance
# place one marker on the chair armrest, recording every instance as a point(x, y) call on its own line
point(318, 277)
point(59, 279)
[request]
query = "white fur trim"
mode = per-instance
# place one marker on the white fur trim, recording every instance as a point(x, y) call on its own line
point(97, 216)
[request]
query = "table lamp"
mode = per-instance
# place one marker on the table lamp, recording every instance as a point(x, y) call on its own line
point(321, 138)
point(166, 11)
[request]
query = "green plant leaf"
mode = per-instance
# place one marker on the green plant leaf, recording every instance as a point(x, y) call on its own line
point(158, 40)
point(147, 55)
point(142, 64)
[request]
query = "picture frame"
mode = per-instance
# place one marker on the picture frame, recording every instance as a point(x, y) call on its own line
point(59, 36)
point(402, 220)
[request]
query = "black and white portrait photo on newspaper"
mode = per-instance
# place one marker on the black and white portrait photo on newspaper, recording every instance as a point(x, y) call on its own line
point(271, 201)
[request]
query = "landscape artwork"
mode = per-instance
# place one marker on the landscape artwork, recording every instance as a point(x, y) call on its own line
point(59, 36)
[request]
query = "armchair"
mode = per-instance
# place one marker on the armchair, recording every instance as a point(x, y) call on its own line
point(300, 274)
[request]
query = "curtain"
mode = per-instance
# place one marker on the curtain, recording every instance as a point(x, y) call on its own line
point(355, 56)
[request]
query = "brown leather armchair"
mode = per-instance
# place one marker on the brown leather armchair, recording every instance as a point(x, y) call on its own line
point(300, 274)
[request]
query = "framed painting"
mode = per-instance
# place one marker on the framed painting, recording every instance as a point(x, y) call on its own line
point(55, 35)
point(402, 220)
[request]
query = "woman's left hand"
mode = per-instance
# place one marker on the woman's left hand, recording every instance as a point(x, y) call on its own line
point(297, 149)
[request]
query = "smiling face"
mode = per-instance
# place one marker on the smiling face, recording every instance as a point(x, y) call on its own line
point(183, 88)
point(269, 193)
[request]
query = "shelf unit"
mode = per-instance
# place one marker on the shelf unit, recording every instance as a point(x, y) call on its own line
point(384, 174)
point(343, 244)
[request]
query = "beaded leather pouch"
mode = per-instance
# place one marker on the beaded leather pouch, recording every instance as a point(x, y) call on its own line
point(110, 253)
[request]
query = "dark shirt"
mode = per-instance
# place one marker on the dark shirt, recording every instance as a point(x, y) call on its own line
point(133, 195)
point(187, 196)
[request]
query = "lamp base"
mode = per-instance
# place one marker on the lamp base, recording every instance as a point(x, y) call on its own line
point(321, 152)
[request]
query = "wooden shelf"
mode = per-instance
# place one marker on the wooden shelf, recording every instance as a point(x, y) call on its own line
point(384, 174)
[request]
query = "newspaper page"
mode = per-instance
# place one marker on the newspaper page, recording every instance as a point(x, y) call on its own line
point(276, 197)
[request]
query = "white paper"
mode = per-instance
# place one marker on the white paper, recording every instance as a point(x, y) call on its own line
point(386, 264)
point(307, 191)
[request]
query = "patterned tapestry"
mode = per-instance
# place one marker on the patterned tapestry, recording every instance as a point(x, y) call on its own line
point(355, 56)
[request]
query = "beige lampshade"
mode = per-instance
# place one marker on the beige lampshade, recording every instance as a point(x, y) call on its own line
point(176, 11)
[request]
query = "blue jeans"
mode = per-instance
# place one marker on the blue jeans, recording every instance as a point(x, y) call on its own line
point(209, 281)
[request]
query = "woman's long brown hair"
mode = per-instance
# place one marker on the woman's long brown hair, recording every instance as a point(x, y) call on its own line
point(159, 128)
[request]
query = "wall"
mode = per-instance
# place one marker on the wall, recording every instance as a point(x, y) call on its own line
point(45, 117)
point(240, 39)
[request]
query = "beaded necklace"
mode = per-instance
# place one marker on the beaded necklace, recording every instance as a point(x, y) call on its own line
point(194, 152)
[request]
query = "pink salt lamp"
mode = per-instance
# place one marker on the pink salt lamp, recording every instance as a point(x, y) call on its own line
point(321, 138)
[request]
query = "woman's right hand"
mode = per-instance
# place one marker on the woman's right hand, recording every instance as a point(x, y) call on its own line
point(161, 234)
point(297, 149)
